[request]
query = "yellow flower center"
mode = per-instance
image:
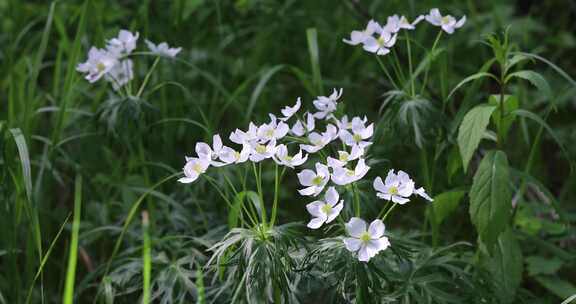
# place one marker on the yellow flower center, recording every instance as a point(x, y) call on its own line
point(197, 168)
point(317, 180)
point(326, 208)
point(236, 154)
point(260, 148)
point(393, 190)
point(269, 133)
point(357, 137)
point(365, 237)
point(349, 172)
point(445, 20)
point(381, 41)
point(100, 67)
point(344, 156)
point(288, 158)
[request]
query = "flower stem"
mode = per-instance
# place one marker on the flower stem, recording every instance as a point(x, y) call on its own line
point(410, 63)
point(356, 201)
point(258, 178)
point(383, 67)
point(275, 203)
point(388, 212)
point(147, 77)
point(430, 63)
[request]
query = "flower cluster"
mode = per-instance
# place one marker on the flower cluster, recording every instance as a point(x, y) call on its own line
point(379, 39)
point(311, 133)
point(113, 62)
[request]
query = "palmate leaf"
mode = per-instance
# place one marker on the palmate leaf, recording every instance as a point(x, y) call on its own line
point(471, 131)
point(490, 197)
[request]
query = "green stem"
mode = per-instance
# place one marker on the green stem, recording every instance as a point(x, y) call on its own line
point(410, 63)
point(277, 180)
point(141, 90)
point(383, 67)
point(258, 178)
point(356, 200)
point(388, 212)
point(430, 63)
point(146, 259)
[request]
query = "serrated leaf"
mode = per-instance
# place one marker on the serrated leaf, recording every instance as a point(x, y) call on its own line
point(510, 104)
point(470, 79)
point(506, 267)
point(445, 203)
point(490, 197)
point(471, 131)
point(535, 79)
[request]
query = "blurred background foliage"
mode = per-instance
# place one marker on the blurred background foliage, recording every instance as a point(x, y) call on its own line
point(242, 59)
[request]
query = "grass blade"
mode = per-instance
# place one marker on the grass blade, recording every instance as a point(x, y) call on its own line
point(146, 259)
point(312, 39)
point(68, 297)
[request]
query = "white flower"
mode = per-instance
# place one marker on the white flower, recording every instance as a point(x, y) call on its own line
point(395, 23)
point(366, 243)
point(193, 168)
point(240, 137)
point(98, 64)
point(396, 187)
point(273, 130)
point(299, 128)
point(380, 45)
point(422, 193)
point(231, 156)
point(345, 124)
point(357, 37)
point(124, 44)
point(290, 111)
point(204, 151)
point(343, 176)
point(162, 49)
point(325, 211)
point(344, 157)
point(283, 158)
point(319, 141)
point(314, 181)
point(447, 23)
point(120, 74)
point(259, 151)
point(360, 134)
point(326, 105)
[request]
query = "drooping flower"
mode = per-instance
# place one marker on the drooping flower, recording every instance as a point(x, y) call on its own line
point(193, 169)
point(357, 37)
point(300, 128)
point(360, 134)
point(203, 150)
point(382, 44)
point(120, 74)
point(124, 44)
point(290, 111)
point(395, 23)
point(367, 243)
point(260, 151)
point(447, 23)
point(284, 159)
point(326, 104)
point(99, 63)
point(231, 156)
point(344, 176)
point(396, 187)
point(162, 49)
point(325, 211)
point(314, 181)
point(344, 157)
point(273, 130)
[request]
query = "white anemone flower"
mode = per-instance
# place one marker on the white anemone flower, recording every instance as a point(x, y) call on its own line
point(367, 243)
point(314, 181)
point(345, 124)
point(344, 176)
point(120, 74)
point(319, 141)
point(260, 152)
point(357, 37)
point(203, 150)
point(447, 23)
point(162, 49)
point(193, 169)
point(396, 187)
point(359, 135)
point(231, 156)
point(326, 104)
point(284, 159)
point(240, 137)
point(272, 131)
point(382, 44)
point(124, 44)
point(290, 111)
point(325, 211)
point(99, 63)
point(300, 128)
point(396, 23)
point(344, 157)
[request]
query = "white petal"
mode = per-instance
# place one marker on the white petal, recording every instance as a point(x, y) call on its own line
point(314, 208)
point(307, 191)
point(363, 254)
point(335, 211)
point(306, 177)
point(421, 192)
point(400, 200)
point(355, 227)
point(331, 196)
point(352, 244)
point(316, 223)
point(376, 229)
point(378, 184)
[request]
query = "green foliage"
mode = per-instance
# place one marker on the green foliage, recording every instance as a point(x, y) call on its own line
point(472, 130)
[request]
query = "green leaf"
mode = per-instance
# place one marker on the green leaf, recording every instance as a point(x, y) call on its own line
point(313, 50)
point(541, 265)
point(510, 104)
point(552, 65)
point(535, 79)
point(490, 197)
point(445, 203)
point(506, 266)
point(470, 79)
point(236, 209)
point(559, 287)
point(471, 131)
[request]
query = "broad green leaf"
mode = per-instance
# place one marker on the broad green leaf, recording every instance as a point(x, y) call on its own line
point(506, 266)
point(470, 79)
point(552, 65)
point(471, 131)
point(535, 79)
point(490, 197)
point(563, 289)
point(454, 163)
point(540, 265)
point(510, 104)
point(445, 203)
